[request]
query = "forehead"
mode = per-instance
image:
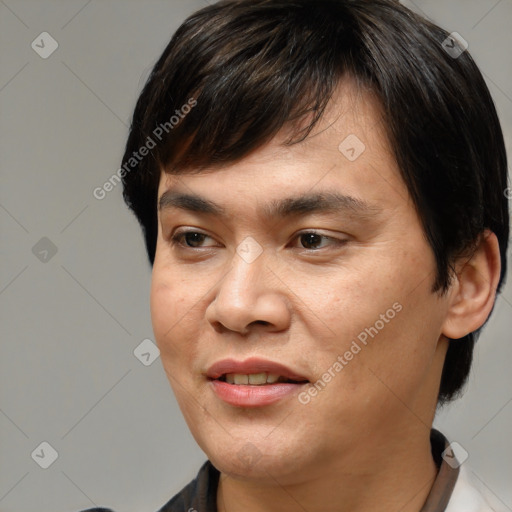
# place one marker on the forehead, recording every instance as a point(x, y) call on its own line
point(346, 152)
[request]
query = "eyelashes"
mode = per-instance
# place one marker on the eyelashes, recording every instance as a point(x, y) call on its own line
point(177, 238)
point(181, 239)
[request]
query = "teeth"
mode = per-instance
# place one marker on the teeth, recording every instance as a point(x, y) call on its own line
point(241, 379)
point(254, 379)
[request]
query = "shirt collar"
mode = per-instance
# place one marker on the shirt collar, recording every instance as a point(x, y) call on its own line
point(441, 491)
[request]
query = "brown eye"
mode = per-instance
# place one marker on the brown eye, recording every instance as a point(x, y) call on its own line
point(190, 239)
point(311, 241)
point(194, 238)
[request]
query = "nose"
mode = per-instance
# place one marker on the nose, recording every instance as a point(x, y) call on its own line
point(249, 297)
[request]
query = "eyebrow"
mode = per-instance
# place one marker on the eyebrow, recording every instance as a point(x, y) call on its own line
point(321, 202)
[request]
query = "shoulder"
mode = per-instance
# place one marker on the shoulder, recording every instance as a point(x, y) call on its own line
point(471, 495)
point(97, 510)
point(199, 495)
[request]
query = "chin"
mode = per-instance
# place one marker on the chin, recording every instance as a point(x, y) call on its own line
point(259, 460)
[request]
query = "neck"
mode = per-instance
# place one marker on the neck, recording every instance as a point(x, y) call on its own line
point(390, 476)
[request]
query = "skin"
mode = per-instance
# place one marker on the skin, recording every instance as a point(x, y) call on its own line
point(361, 444)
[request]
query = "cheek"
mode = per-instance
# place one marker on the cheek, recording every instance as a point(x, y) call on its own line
point(381, 310)
point(173, 307)
point(340, 305)
point(163, 307)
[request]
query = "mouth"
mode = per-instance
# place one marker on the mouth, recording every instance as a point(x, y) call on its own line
point(253, 382)
point(257, 379)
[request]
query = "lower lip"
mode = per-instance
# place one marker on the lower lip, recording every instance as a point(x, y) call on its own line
point(253, 396)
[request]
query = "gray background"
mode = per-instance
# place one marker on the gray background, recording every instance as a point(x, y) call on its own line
point(70, 321)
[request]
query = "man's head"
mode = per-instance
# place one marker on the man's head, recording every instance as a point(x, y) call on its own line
point(255, 103)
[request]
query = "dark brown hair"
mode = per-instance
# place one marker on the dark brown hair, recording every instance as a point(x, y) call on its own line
point(249, 68)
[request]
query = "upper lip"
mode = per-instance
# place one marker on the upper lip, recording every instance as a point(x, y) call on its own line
point(251, 366)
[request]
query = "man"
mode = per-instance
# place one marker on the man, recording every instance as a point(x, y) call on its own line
point(321, 188)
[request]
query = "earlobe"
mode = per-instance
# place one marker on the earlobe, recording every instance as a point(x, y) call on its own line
point(474, 288)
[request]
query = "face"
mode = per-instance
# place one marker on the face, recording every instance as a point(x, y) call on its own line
point(329, 296)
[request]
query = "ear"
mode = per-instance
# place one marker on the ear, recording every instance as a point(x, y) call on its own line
point(473, 291)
